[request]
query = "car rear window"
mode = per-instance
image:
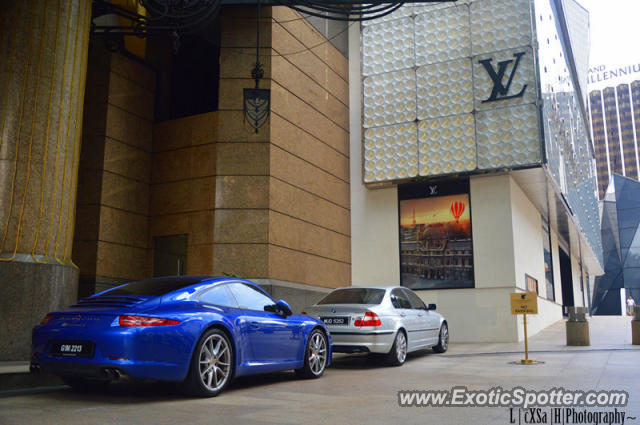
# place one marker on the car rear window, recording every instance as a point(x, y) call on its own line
point(153, 287)
point(354, 296)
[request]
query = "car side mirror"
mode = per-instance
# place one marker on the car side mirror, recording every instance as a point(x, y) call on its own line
point(431, 307)
point(283, 308)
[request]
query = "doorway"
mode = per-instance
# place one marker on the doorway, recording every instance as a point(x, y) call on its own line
point(170, 255)
point(566, 277)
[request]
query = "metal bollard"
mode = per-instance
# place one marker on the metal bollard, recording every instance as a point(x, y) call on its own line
point(635, 326)
point(577, 326)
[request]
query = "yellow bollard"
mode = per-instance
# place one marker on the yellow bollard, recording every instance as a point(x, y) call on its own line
point(526, 345)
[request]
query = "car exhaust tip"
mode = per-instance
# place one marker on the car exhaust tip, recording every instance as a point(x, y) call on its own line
point(112, 374)
point(34, 368)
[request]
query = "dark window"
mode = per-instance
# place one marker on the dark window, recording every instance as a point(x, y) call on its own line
point(399, 299)
point(194, 77)
point(416, 302)
point(548, 260)
point(169, 255)
point(354, 296)
point(155, 287)
point(249, 298)
point(219, 296)
point(187, 79)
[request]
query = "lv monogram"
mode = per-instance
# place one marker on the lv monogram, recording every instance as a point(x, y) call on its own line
point(501, 91)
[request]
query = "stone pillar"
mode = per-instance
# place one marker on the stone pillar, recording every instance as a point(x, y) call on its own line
point(635, 326)
point(577, 327)
point(43, 46)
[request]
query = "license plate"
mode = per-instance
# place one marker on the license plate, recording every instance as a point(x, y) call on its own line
point(72, 348)
point(335, 320)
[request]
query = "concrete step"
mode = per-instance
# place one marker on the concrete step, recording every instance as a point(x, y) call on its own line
point(16, 376)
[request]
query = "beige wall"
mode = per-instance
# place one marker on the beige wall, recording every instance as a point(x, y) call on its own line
point(242, 162)
point(110, 243)
point(282, 205)
point(507, 244)
point(309, 237)
point(375, 240)
point(527, 240)
point(494, 257)
point(267, 205)
point(182, 187)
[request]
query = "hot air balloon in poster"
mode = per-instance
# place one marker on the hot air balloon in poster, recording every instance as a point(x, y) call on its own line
point(457, 208)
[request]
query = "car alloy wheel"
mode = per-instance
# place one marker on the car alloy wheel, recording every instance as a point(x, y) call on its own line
point(215, 362)
point(401, 347)
point(444, 337)
point(443, 340)
point(398, 353)
point(316, 356)
point(317, 353)
point(211, 365)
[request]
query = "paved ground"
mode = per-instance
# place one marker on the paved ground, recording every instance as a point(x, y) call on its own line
point(358, 390)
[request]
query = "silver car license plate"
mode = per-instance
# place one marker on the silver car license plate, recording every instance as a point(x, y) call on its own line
point(335, 320)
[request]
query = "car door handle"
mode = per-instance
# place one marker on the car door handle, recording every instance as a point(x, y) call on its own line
point(420, 315)
point(403, 314)
point(254, 325)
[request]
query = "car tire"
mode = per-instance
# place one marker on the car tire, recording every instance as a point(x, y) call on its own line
point(316, 356)
point(443, 339)
point(211, 367)
point(82, 385)
point(398, 353)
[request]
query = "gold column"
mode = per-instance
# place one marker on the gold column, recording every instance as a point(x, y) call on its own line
point(43, 46)
point(43, 61)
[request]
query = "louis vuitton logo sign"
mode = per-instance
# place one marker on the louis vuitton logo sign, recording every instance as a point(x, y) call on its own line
point(500, 91)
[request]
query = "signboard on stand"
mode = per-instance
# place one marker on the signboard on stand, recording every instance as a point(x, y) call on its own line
point(525, 303)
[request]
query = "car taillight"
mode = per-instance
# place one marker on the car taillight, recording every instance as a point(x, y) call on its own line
point(369, 319)
point(46, 319)
point(304, 312)
point(135, 321)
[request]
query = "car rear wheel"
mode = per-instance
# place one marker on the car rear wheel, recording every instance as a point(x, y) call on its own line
point(211, 366)
point(316, 355)
point(443, 340)
point(398, 353)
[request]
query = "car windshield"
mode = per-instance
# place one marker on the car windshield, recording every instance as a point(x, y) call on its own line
point(153, 287)
point(354, 296)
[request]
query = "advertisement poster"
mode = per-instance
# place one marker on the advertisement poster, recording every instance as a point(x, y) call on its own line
point(436, 249)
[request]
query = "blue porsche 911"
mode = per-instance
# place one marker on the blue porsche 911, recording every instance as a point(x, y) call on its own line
point(201, 331)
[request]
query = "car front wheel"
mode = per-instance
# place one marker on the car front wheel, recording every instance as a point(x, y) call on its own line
point(211, 366)
point(443, 340)
point(316, 355)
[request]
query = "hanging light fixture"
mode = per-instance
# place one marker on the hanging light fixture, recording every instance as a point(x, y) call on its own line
point(257, 101)
point(144, 18)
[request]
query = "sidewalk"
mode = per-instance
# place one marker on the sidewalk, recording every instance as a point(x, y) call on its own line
point(606, 333)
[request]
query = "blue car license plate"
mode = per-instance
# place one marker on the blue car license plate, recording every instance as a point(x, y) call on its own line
point(335, 320)
point(72, 348)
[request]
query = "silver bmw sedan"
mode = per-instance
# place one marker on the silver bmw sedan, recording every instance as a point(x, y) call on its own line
point(387, 320)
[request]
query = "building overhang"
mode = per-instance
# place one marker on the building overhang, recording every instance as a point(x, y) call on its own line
point(542, 191)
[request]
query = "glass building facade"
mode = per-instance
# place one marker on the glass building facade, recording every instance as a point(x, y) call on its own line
point(491, 94)
point(621, 240)
point(614, 116)
point(450, 90)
